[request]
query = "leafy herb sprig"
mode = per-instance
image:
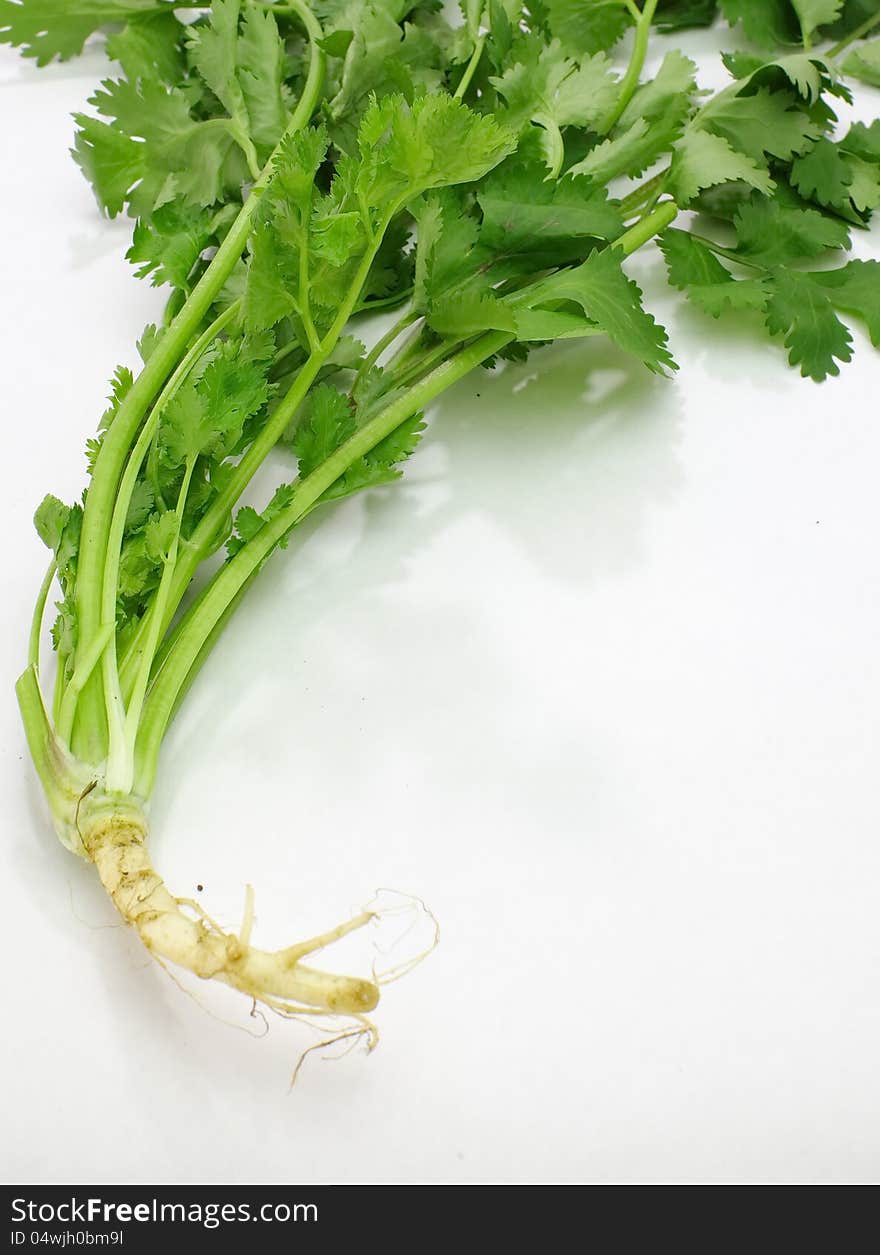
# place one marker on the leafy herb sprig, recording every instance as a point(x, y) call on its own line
point(290, 168)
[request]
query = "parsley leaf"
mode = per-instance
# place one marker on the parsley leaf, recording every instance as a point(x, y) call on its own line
point(587, 28)
point(549, 89)
point(770, 233)
point(799, 310)
point(703, 159)
point(612, 302)
point(765, 22)
point(46, 29)
point(863, 63)
point(815, 13)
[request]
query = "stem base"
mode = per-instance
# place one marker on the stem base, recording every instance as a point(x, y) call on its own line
point(114, 836)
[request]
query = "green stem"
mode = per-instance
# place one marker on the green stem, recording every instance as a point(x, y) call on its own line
point(110, 462)
point(726, 253)
point(63, 779)
point(87, 660)
point(37, 620)
point(406, 350)
point(305, 302)
point(62, 675)
point(859, 33)
point(376, 303)
point(646, 228)
point(642, 195)
point(113, 556)
point(427, 360)
point(554, 153)
point(471, 67)
point(120, 774)
point(637, 61)
point(381, 345)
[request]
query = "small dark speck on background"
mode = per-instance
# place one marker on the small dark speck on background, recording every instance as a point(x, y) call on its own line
point(200, 888)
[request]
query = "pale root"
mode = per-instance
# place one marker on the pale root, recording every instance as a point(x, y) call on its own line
point(117, 845)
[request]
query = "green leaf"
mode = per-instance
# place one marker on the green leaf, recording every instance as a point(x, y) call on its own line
point(445, 244)
point(815, 13)
point(674, 15)
point(272, 279)
point(587, 27)
point(50, 520)
point(762, 124)
point(213, 51)
point(335, 236)
point(648, 127)
point(140, 507)
point(612, 302)
point(368, 37)
point(234, 388)
point(111, 161)
point(693, 268)
point(296, 165)
point(297, 223)
point(545, 87)
point(673, 85)
point(400, 443)
point(153, 150)
point(463, 145)
point(855, 289)
point(160, 534)
point(463, 316)
point(863, 63)
point(823, 175)
point(67, 551)
point(705, 160)
point(630, 152)
point(689, 262)
point(380, 465)
point(863, 141)
point(740, 295)
point(120, 386)
point(542, 325)
point(151, 47)
point(329, 423)
point(45, 29)
point(523, 213)
point(501, 32)
point(772, 234)
point(260, 58)
point(436, 142)
point(168, 245)
point(151, 337)
point(765, 22)
point(799, 310)
point(740, 64)
point(208, 414)
point(186, 429)
point(248, 522)
point(864, 191)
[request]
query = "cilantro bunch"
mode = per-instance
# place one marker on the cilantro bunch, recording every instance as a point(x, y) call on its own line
point(291, 168)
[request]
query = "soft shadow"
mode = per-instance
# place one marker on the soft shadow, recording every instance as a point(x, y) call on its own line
point(579, 443)
point(567, 457)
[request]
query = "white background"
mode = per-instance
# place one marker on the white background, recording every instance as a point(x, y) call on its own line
point(599, 681)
